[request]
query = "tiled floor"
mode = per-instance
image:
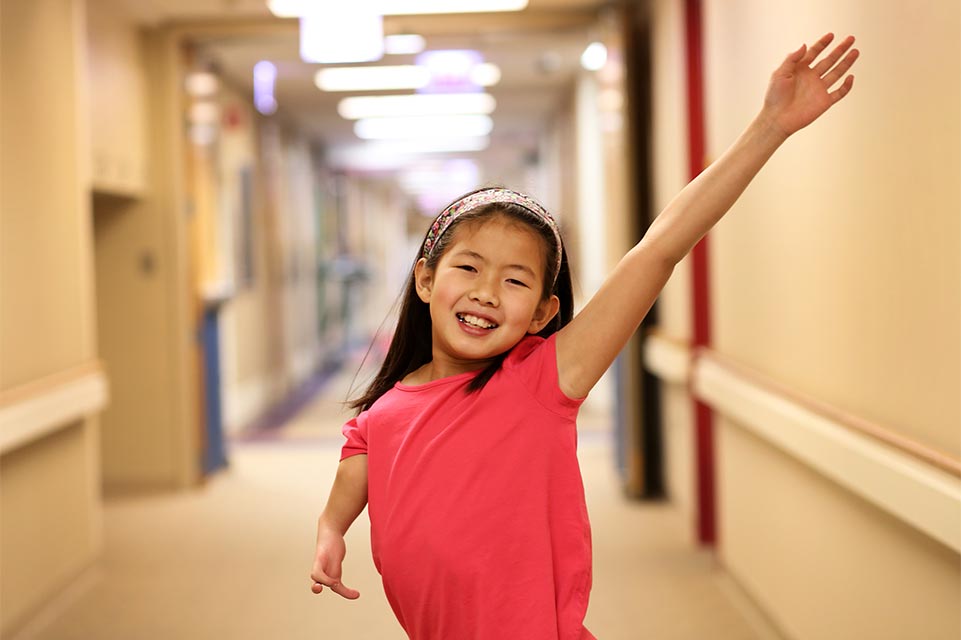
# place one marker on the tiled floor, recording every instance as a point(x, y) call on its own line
point(231, 559)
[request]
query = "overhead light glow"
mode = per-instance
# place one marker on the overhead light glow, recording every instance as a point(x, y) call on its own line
point(486, 74)
point(298, 8)
point(265, 75)
point(381, 78)
point(409, 7)
point(594, 57)
point(390, 155)
point(404, 44)
point(202, 84)
point(423, 127)
point(357, 107)
point(349, 32)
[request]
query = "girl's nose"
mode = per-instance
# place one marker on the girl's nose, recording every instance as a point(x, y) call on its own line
point(483, 293)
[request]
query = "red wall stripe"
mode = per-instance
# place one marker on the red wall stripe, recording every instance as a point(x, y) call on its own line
point(704, 420)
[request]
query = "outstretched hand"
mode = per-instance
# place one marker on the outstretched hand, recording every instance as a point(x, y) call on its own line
point(800, 89)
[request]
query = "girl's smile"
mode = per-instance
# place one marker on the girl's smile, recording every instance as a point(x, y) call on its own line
point(485, 294)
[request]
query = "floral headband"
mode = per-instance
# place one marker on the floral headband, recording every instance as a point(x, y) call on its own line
point(491, 196)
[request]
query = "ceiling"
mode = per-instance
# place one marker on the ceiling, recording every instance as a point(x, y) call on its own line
point(537, 49)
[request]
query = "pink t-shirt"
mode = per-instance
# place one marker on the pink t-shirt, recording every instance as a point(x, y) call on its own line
point(479, 527)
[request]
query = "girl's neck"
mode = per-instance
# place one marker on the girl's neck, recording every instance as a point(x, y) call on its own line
point(439, 368)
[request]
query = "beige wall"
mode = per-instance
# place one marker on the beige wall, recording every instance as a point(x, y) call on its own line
point(50, 485)
point(144, 312)
point(837, 275)
point(843, 258)
point(825, 280)
point(670, 174)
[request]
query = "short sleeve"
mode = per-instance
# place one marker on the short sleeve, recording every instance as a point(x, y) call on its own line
point(355, 430)
point(534, 361)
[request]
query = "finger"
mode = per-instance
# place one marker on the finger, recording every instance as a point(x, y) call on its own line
point(818, 47)
point(843, 90)
point(824, 65)
point(842, 68)
point(321, 580)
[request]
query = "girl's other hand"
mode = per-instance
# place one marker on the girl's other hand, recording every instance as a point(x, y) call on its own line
point(800, 89)
point(328, 562)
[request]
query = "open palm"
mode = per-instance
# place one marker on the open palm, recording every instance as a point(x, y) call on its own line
point(800, 89)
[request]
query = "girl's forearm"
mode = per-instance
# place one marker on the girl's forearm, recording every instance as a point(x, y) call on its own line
point(698, 207)
point(348, 496)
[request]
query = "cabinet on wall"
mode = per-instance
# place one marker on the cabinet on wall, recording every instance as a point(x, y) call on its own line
point(116, 98)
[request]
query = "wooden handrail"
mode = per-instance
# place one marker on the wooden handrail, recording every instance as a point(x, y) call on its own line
point(939, 459)
point(46, 384)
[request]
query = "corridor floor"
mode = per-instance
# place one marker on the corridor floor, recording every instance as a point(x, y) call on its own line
point(231, 558)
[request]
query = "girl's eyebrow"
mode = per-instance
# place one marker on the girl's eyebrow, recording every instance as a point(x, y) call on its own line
point(473, 254)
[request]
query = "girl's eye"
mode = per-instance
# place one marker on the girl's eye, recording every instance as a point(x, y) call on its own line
point(466, 267)
point(518, 282)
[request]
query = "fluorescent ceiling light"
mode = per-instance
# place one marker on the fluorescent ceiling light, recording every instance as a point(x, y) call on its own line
point(202, 84)
point(408, 7)
point(391, 155)
point(594, 57)
point(485, 74)
point(406, 43)
point(297, 8)
point(423, 104)
point(381, 78)
point(265, 75)
point(423, 127)
point(351, 32)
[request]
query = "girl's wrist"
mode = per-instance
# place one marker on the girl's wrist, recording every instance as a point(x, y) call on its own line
point(325, 524)
point(765, 126)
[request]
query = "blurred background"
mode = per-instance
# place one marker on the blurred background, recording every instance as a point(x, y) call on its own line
point(209, 207)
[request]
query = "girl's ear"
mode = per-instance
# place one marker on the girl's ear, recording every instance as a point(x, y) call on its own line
point(423, 280)
point(546, 310)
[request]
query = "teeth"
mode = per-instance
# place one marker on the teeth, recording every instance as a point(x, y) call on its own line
point(475, 321)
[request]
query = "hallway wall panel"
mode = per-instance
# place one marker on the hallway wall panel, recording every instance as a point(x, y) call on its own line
point(839, 271)
point(50, 509)
point(838, 275)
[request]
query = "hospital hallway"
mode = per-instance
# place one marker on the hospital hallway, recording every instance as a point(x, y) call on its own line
point(231, 560)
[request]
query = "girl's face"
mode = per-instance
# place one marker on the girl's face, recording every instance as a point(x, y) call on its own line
point(485, 293)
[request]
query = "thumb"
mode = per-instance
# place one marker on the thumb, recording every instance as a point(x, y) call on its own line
point(331, 580)
point(344, 591)
point(797, 55)
point(791, 60)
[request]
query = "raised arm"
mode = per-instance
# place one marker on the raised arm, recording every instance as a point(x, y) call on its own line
point(348, 497)
point(798, 93)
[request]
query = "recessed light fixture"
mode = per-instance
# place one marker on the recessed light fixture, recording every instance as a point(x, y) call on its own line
point(394, 77)
point(422, 104)
point(391, 155)
point(594, 57)
point(297, 8)
point(393, 128)
point(404, 44)
point(350, 32)
point(265, 75)
point(381, 78)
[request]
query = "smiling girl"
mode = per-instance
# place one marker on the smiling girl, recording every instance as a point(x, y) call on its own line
point(464, 450)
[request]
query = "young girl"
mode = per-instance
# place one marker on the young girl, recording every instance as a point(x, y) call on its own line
point(465, 445)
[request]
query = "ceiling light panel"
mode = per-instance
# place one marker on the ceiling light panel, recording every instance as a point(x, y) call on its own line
point(297, 8)
point(343, 33)
point(382, 78)
point(357, 107)
point(423, 127)
point(404, 44)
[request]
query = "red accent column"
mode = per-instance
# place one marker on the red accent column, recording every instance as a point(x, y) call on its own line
point(704, 422)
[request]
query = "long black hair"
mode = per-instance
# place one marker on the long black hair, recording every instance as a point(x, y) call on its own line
point(410, 347)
